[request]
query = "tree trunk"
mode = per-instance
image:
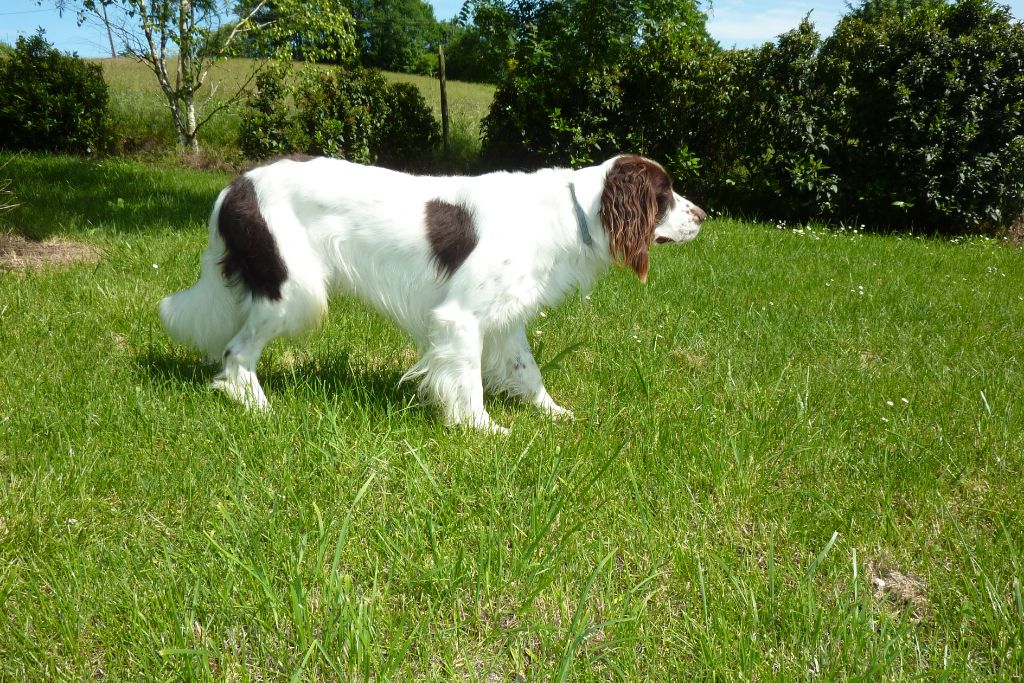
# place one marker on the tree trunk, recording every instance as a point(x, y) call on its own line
point(443, 78)
point(191, 141)
point(187, 80)
point(110, 32)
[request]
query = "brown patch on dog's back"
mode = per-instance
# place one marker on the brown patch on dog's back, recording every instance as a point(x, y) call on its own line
point(251, 256)
point(451, 233)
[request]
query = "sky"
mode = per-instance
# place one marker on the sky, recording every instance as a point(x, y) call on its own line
point(734, 23)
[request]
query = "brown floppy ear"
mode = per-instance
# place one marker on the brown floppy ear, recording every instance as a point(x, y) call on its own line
point(629, 210)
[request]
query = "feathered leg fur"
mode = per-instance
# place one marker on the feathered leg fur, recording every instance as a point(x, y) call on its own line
point(208, 314)
point(509, 367)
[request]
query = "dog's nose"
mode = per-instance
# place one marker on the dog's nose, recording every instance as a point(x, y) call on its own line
point(698, 214)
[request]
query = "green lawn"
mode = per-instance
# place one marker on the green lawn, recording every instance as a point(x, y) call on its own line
point(780, 421)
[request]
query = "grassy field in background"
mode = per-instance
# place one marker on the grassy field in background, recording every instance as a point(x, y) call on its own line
point(797, 454)
point(139, 110)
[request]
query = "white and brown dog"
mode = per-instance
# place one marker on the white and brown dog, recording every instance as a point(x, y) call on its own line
point(461, 263)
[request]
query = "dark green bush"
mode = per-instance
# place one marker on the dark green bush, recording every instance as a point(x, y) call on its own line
point(902, 119)
point(562, 100)
point(741, 127)
point(267, 128)
point(677, 99)
point(542, 117)
point(352, 114)
point(342, 112)
point(410, 132)
point(50, 101)
point(779, 166)
point(926, 116)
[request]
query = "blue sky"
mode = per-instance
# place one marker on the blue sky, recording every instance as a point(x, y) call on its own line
point(734, 23)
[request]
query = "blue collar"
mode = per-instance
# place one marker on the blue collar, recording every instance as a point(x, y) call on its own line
point(581, 217)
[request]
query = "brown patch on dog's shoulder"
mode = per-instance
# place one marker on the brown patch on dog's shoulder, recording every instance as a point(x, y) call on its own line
point(451, 233)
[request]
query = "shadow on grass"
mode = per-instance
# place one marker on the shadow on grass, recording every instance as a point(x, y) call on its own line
point(335, 378)
point(173, 369)
point(69, 195)
point(339, 378)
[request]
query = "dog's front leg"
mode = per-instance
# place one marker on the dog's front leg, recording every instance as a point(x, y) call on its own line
point(238, 377)
point(450, 366)
point(509, 366)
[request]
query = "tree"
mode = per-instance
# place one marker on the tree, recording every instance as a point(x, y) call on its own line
point(179, 40)
point(570, 64)
point(393, 34)
point(875, 10)
point(479, 42)
point(316, 30)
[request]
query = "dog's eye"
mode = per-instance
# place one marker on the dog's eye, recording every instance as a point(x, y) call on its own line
point(666, 202)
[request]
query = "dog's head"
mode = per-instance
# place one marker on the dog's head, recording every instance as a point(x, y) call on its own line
point(639, 208)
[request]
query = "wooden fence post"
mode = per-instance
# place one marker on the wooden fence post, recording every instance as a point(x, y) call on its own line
point(445, 131)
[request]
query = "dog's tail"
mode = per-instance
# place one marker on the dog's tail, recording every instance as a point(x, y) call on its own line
point(207, 315)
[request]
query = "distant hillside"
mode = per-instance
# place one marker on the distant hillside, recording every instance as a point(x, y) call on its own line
point(138, 105)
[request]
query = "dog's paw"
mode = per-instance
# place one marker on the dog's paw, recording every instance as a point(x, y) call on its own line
point(482, 423)
point(495, 428)
point(560, 413)
point(258, 405)
point(249, 395)
point(486, 424)
point(555, 411)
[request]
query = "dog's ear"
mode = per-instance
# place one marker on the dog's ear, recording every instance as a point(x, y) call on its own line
point(630, 210)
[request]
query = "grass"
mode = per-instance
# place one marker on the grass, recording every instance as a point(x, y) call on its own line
point(139, 110)
point(779, 421)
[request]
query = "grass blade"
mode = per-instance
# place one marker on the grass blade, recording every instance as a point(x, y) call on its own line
point(555, 364)
point(575, 635)
point(820, 557)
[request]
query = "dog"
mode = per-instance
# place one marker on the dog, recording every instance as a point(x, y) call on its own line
point(461, 263)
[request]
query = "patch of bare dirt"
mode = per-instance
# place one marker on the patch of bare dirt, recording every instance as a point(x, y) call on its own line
point(207, 161)
point(902, 590)
point(19, 253)
point(688, 358)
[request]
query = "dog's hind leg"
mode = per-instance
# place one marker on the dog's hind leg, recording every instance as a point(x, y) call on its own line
point(509, 367)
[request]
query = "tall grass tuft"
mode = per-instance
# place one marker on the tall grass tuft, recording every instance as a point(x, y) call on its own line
point(7, 198)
